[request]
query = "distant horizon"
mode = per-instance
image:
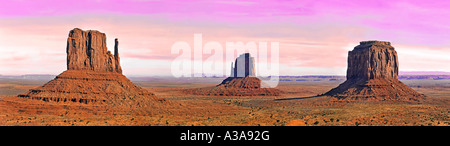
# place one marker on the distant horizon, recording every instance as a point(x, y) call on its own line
point(401, 73)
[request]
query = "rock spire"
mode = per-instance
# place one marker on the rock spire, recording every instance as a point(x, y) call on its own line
point(86, 50)
point(94, 76)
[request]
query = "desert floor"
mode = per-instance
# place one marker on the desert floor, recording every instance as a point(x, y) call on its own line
point(298, 105)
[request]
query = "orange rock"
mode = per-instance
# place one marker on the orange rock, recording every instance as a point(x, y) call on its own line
point(236, 86)
point(242, 82)
point(372, 73)
point(93, 76)
point(86, 50)
point(297, 122)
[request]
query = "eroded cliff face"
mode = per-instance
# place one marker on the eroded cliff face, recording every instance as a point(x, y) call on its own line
point(86, 50)
point(94, 76)
point(372, 73)
point(371, 60)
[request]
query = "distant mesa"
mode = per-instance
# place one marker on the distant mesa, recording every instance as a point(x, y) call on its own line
point(242, 74)
point(242, 81)
point(372, 73)
point(244, 66)
point(93, 76)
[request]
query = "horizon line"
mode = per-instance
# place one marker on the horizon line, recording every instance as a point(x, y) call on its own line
point(205, 75)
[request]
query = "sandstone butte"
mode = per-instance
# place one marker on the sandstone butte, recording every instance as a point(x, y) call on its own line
point(93, 76)
point(372, 73)
point(242, 82)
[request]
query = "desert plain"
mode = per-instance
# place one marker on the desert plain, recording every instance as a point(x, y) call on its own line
point(298, 105)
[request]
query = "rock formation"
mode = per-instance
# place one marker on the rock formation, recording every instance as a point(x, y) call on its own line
point(86, 50)
point(371, 60)
point(93, 76)
point(244, 66)
point(247, 82)
point(372, 73)
point(242, 82)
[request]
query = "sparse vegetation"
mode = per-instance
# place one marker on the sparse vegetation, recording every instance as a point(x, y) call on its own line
point(212, 110)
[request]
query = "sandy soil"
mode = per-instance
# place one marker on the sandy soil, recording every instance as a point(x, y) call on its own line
point(297, 106)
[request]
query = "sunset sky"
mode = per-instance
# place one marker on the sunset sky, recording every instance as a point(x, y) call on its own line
point(314, 35)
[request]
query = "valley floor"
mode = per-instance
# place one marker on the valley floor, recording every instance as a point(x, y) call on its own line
point(297, 106)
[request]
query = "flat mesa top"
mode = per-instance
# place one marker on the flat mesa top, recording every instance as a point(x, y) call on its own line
point(368, 44)
point(78, 29)
point(374, 42)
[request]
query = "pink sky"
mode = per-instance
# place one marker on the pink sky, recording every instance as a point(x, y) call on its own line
point(314, 35)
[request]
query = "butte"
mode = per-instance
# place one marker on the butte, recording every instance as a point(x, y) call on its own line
point(93, 76)
point(242, 82)
point(372, 73)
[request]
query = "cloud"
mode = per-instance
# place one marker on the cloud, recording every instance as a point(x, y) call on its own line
point(314, 36)
point(422, 58)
